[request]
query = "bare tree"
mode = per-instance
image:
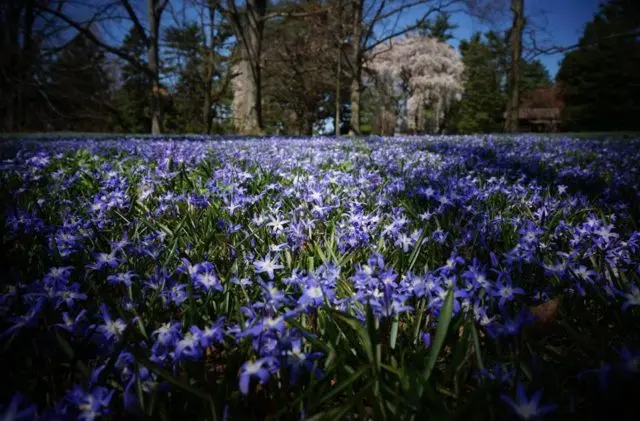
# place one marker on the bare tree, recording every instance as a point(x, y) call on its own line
point(150, 36)
point(248, 23)
point(372, 22)
point(209, 50)
point(24, 35)
point(154, 13)
point(212, 93)
point(299, 66)
point(521, 24)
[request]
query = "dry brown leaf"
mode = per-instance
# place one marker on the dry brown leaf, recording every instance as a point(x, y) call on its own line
point(546, 312)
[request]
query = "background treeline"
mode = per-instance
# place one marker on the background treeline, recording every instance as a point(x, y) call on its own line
point(304, 67)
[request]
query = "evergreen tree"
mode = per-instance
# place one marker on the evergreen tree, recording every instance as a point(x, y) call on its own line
point(482, 104)
point(533, 75)
point(132, 97)
point(186, 62)
point(441, 28)
point(201, 93)
point(79, 88)
point(487, 62)
point(601, 79)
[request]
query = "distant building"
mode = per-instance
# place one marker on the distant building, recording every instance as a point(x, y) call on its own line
point(539, 119)
point(541, 110)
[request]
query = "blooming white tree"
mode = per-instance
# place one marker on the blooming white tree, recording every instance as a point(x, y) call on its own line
point(423, 71)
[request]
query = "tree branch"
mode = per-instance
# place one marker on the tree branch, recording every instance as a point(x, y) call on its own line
point(93, 38)
point(538, 51)
point(409, 28)
point(272, 15)
point(136, 22)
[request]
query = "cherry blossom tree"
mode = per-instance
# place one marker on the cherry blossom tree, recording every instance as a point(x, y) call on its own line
point(423, 72)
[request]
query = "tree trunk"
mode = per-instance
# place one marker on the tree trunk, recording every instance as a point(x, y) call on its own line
point(206, 108)
point(515, 41)
point(248, 101)
point(357, 71)
point(153, 57)
point(246, 98)
point(11, 59)
point(306, 128)
point(339, 73)
point(26, 64)
point(209, 68)
point(338, 87)
point(438, 115)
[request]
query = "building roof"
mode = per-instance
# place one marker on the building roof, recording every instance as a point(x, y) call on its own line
point(539, 114)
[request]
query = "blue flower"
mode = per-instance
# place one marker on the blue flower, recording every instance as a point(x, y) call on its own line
point(511, 325)
point(105, 260)
point(426, 339)
point(261, 369)
point(208, 280)
point(498, 372)
point(92, 404)
point(189, 347)
point(525, 408)
point(451, 264)
point(602, 372)
point(167, 334)
point(26, 320)
point(296, 358)
point(177, 294)
point(111, 329)
point(124, 278)
point(268, 265)
point(272, 295)
point(17, 409)
point(313, 295)
point(121, 244)
point(506, 291)
point(71, 324)
point(632, 298)
point(69, 295)
point(58, 275)
point(631, 361)
point(213, 334)
point(265, 325)
point(190, 269)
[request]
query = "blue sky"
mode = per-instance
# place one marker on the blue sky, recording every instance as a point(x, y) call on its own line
point(563, 20)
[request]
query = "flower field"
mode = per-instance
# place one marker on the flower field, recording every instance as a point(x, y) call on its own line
point(394, 278)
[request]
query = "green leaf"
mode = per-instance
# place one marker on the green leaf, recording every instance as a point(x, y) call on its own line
point(372, 331)
point(416, 250)
point(64, 345)
point(169, 377)
point(360, 330)
point(476, 344)
point(344, 384)
point(417, 321)
point(441, 333)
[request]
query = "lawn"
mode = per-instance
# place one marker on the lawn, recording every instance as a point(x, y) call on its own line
point(413, 278)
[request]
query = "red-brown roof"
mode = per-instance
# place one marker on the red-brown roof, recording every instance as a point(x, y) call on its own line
point(543, 97)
